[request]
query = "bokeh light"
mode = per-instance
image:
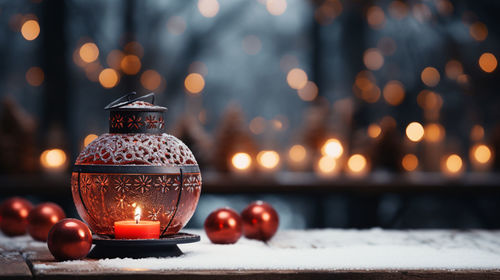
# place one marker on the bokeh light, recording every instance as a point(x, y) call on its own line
point(35, 76)
point(268, 159)
point(394, 93)
point(130, 64)
point(409, 162)
point(430, 76)
point(276, 7)
point(488, 62)
point(89, 52)
point(53, 158)
point(477, 133)
point(151, 80)
point(257, 125)
point(109, 78)
point(373, 59)
point(251, 44)
point(374, 130)
point(481, 153)
point(453, 164)
point(297, 153)
point(296, 78)
point(208, 8)
point(326, 166)
point(332, 148)
point(415, 131)
point(241, 161)
point(194, 83)
point(309, 92)
point(453, 69)
point(398, 9)
point(30, 30)
point(375, 17)
point(478, 31)
point(357, 163)
point(434, 132)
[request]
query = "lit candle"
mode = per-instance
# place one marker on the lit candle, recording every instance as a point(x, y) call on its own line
point(137, 229)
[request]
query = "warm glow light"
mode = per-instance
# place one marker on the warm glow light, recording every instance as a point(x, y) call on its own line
point(481, 153)
point(328, 11)
point(130, 64)
point(373, 59)
point(478, 31)
point(415, 131)
point(276, 7)
point(434, 132)
point(89, 52)
point(454, 163)
point(488, 62)
point(151, 79)
point(327, 165)
point(374, 130)
point(454, 69)
point(35, 76)
point(134, 47)
point(257, 125)
point(309, 92)
point(296, 78)
point(375, 17)
point(194, 83)
point(137, 214)
point(394, 93)
point(114, 59)
point(332, 148)
point(53, 158)
point(268, 159)
point(429, 100)
point(30, 30)
point(297, 153)
point(430, 76)
point(208, 8)
point(357, 163)
point(410, 162)
point(88, 139)
point(241, 161)
point(476, 133)
point(108, 78)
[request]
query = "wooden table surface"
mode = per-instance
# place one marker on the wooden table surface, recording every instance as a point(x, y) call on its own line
point(318, 254)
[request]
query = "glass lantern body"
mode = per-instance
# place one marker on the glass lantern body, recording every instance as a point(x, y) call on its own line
point(118, 172)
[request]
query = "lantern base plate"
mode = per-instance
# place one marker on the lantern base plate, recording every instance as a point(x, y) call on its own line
point(106, 247)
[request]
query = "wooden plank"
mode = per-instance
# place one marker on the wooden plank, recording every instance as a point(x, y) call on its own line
point(269, 275)
point(13, 266)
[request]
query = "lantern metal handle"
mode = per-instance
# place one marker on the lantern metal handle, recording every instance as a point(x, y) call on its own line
point(127, 99)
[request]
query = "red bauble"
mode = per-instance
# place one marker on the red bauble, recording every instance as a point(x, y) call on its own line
point(223, 226)
point(14, 216)
point(42, 218)
point(69, 239)
point(260, 221)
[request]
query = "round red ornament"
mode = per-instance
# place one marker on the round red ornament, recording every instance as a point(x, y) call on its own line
point(42, 218)
point(13, 216)
point(223, 226)
point(260, 221)
point(69, 239)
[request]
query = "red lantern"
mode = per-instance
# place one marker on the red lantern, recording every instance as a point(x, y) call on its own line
point(260, 221)
point(136, 164)
point(42, 218)
point(69, 239)
point(14, 216)
point(223, 226)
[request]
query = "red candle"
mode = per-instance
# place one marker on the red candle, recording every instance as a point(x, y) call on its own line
point(137, 229)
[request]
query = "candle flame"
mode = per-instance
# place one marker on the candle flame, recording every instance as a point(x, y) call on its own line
point(137, 214)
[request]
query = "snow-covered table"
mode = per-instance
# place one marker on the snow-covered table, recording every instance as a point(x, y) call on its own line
point(318, 254)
